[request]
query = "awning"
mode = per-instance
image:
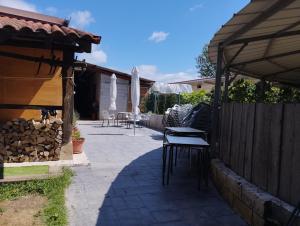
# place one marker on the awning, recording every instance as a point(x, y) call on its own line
point(164, 88)
point(263, 41)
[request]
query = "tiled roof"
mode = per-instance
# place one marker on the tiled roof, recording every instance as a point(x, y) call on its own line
point(23, 21)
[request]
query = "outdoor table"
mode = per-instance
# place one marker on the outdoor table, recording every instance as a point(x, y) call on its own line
point(184, 131)
point(131, 121)
point(192, 142)
point(122, 114)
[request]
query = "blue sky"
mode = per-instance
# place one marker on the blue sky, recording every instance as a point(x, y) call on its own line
point(161, 37)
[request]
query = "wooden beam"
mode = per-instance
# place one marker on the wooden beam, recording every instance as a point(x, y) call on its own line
point(39, 45)
point(257, 20)
point(237, 53)
point(68, 95)
point(33, 107)
point(266, 58)
point(226, 85)
point(217, 101)
point(31, 58)
point(264, 37)
point(280, 72)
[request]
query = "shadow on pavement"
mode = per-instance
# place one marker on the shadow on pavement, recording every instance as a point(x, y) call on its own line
point(136, 198)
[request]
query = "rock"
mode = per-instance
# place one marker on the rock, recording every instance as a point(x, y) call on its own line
point(46, 153)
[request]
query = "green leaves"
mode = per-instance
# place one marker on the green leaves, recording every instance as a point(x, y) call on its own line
point(195, 97)
point(246, 91)
point(204, 65)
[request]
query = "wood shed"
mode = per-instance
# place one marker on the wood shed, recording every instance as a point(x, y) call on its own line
point(36, 73)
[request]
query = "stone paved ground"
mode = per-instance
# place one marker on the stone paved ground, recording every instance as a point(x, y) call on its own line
point(122, 186)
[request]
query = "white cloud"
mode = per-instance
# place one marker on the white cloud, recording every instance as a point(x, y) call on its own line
point(51, 10)
point(81, 19)
point(158, 36)
point(19, 4)
point(195, 7)
point(97, 56)
point(153, 73)
point(147, 70)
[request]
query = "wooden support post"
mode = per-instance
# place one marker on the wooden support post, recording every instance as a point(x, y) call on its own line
point(226, 85)
point(217, 102)
point(68, 95)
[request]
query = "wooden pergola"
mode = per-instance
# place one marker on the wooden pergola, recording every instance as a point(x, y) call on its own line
point(262, 41)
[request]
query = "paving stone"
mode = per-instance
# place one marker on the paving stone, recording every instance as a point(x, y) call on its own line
point(122, 186)
point(166, 215)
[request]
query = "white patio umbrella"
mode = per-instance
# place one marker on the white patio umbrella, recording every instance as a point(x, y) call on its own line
point(113, 93)
point(135, 95)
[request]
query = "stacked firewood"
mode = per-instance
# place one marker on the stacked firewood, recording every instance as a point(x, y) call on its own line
point(28, 141)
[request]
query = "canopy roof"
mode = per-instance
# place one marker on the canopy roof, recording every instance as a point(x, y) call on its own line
point(263, 41)
point(171, 88)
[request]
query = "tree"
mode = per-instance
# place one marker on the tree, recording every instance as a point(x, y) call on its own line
point(206, 68)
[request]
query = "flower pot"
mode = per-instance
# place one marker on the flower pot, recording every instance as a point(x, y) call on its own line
point(77, 145)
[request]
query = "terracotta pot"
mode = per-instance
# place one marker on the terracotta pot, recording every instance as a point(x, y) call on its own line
point(77, 145)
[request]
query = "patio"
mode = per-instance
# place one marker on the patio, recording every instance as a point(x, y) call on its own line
point(122, 186)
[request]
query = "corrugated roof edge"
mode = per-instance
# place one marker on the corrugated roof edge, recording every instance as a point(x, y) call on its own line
point(96, 67)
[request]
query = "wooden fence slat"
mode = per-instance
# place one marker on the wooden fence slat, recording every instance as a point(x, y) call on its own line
point(295, 182)
point(241, 139)
point(223, 133)
point(229, 135)
point(287, 152)
point(250, 112)
point(259, 169)
point(235, 136)
point(226, 133)
point(272, 146)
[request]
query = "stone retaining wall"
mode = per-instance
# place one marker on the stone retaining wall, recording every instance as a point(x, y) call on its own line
point(254, 205)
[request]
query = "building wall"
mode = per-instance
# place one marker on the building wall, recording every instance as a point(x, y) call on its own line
point(21, 83)
point(122, 94)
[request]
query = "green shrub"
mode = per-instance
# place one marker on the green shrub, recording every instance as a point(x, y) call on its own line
point(195, 97)
point(246, 91)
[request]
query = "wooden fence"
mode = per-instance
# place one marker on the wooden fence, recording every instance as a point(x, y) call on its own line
point(261, 142)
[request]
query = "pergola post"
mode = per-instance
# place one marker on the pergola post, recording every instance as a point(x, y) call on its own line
point(217, 101)
point(226, 85)
point(68, 95)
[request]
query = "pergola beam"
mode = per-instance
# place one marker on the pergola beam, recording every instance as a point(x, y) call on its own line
point(237, 53)
point(280, 72)
point(278, 33)
point(266, 58)
point(257, 20)
point(264, 37)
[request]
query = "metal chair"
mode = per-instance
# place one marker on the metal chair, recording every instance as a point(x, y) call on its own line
point(106, 116)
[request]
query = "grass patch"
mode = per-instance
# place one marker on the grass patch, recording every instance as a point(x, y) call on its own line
point(2, 210)
point(55, 212)
point(25, 170)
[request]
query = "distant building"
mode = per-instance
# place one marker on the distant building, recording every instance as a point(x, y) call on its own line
point(92, 93)
point(206, 84)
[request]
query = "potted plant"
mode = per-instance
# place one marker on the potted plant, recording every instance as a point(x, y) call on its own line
point(77, 141)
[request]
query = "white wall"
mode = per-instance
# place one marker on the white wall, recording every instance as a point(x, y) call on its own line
point(122, 94)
